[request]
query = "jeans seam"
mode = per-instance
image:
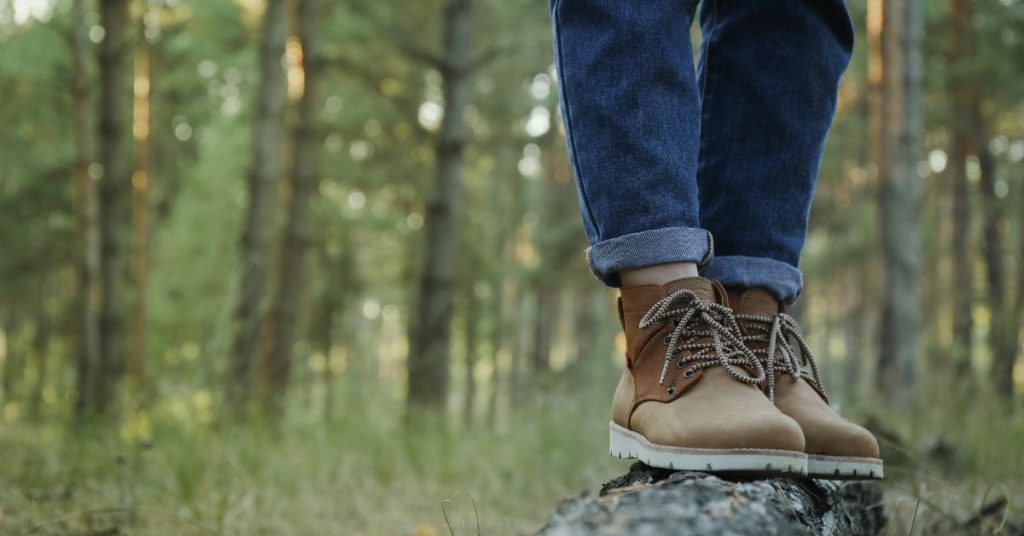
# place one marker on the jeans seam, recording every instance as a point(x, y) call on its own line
point(711, 250)
point(706, 90)
point(707, 58)
point(563, 83)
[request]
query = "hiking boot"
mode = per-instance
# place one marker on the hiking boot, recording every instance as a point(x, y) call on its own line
point(836, 448)
point(690, 397)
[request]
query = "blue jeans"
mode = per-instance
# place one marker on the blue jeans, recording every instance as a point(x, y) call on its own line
point(667, 156)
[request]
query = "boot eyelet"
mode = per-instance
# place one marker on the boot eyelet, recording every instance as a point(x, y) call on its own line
point(680, 364)
point(666, 339)
point(671, 390)
point(688, 374)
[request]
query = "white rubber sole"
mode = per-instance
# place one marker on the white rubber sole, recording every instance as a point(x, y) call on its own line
point(843, 467)
point(629, 444)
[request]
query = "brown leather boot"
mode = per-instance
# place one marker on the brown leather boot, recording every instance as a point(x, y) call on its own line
point(690, 398)
point(836, 448)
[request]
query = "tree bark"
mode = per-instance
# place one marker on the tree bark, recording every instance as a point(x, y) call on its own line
point(283, 319)
point(89, 290)
point(430, 326)
point(258, 235)
point(115, 189)
point(899, 26)
point(649, 501)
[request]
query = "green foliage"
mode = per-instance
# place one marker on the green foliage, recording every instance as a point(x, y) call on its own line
point(344, 460)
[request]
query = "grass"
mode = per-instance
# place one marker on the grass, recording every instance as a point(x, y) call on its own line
point(366, 473)
point(361, 474)
point(957, 459)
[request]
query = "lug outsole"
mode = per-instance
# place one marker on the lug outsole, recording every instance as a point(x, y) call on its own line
point(844, 467)
point(629, 444)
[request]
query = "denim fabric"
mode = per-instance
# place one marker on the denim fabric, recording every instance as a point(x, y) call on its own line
point(631, 108)
point(665, 156)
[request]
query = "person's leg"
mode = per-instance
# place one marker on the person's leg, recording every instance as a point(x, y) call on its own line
point(769, 73)
point(632, 116)
point(630, 105)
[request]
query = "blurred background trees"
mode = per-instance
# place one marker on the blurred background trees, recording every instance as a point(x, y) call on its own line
point(307, 207)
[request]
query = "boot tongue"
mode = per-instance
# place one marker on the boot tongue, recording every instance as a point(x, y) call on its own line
point(757, 301)
point(698, 285)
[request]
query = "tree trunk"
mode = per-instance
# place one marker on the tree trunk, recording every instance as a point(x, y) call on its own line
point(471, 327)
point(258, 235)
point(648, 501)
point(1011, 349)
point(962, 285)
point(12, 359)
point(336, 266)
point(899, 27)
point(140, 207)
point(89, 289)
point(497, 334)
point(41, 348)
point(497, 376)
point(1015, 316)
point(586, 328)
point(284, 314)
point(115, 189)
point(526, 307)
point(323, 339)
point(504, 228)
point(430, 326)
point(858, 325)
point(549, 304)
point(1001, 336)
point(960, 53)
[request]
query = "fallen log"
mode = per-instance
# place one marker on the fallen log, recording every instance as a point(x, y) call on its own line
point(650, 501)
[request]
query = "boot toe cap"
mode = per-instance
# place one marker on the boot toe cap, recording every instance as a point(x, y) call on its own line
point(838, 437)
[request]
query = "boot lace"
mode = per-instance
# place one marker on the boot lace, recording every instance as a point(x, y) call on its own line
point(697, 319)
point(776, 331)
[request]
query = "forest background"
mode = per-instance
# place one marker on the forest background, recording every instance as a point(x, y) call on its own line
point(310, 267)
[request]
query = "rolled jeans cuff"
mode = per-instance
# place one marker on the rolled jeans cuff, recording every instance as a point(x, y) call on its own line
point(782, 280)
point(648, 248)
